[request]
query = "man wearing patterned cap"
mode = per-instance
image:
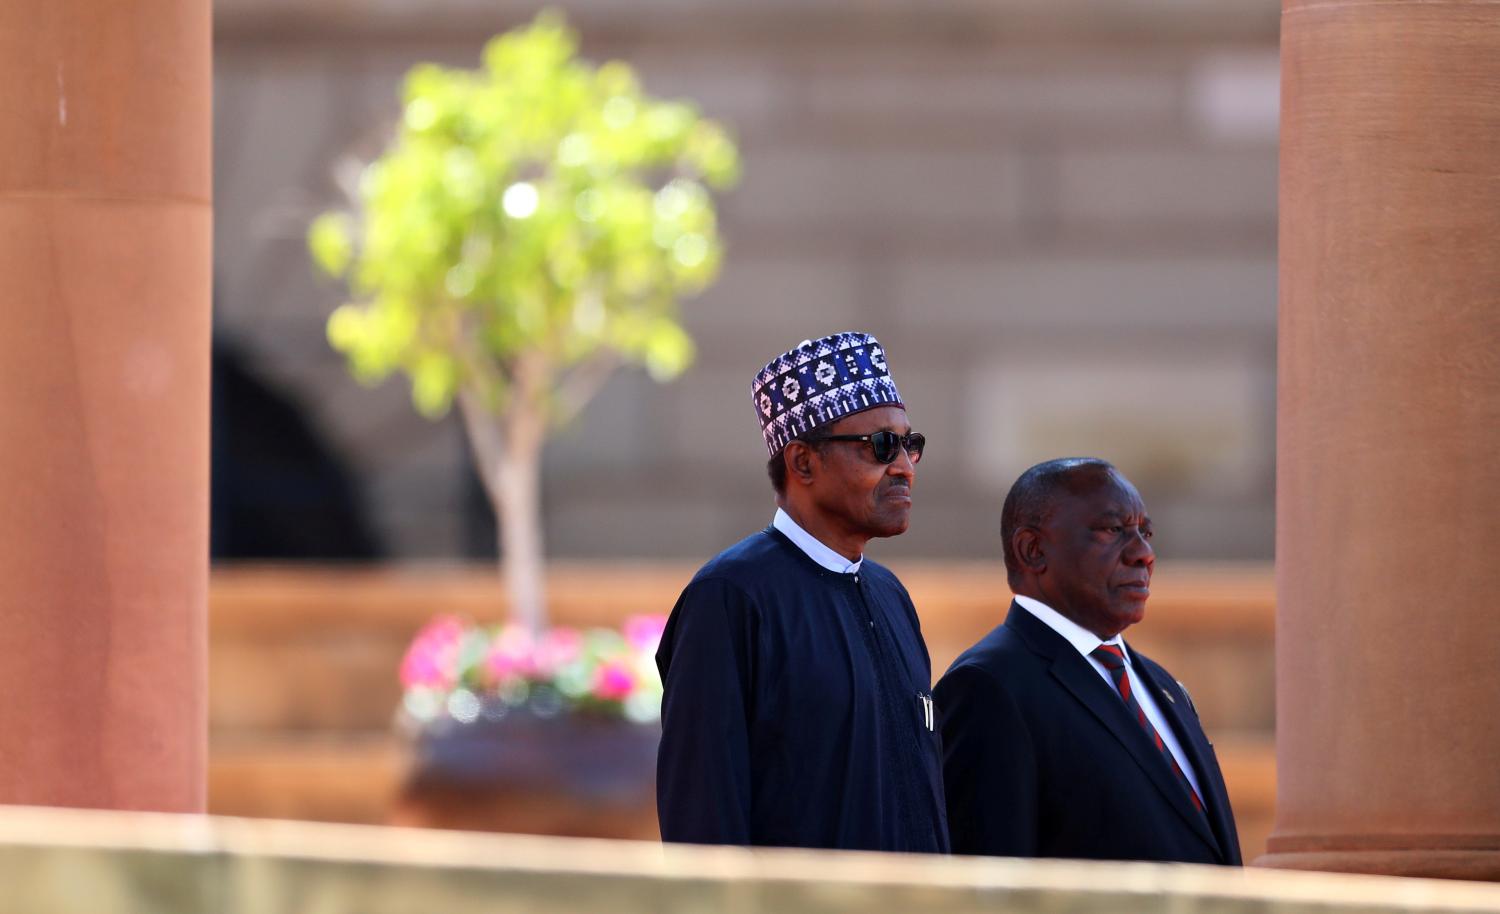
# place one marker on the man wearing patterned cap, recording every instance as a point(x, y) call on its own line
point(797, 710)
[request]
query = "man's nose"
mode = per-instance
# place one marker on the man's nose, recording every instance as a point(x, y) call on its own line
point(1139, 551)
point(902, 465)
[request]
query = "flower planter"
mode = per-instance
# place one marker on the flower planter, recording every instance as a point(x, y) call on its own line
point(551, 734)
point(579, 775)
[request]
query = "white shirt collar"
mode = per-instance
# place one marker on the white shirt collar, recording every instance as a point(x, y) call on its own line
point(1083, 640)
point(809, 544)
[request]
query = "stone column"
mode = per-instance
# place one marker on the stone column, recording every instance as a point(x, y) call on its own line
point(105, 260)
point(1388, 451)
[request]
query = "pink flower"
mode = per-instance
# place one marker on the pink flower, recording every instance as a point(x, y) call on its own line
point(432, 658)
point(613, 680)
point(644, 632)
point(559, 647)
point(511, 655)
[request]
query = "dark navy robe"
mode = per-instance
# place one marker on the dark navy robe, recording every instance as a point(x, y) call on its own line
point(797, 710)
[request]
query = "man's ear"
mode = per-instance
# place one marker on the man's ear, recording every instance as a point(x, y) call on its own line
point(801, 459)
point(1029, 549)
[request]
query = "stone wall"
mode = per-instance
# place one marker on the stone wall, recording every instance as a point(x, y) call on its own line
point(1059, 217)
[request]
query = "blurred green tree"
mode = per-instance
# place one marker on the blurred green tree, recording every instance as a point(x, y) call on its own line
point(529, 229)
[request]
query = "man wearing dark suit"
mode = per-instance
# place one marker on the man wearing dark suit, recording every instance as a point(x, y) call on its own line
point(1060, 740)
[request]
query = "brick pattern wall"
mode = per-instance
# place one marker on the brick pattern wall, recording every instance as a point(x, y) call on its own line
point(1059, 218)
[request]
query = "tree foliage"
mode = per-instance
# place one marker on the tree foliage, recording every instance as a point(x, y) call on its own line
point(535, 218)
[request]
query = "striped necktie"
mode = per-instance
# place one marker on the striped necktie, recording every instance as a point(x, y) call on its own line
point(1113, 659)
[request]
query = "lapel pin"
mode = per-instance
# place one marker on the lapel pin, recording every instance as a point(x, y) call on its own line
point(1168, 696)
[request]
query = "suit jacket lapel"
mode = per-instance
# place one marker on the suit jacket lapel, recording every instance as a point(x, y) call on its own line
point(1086, 685)
point(1194, 742)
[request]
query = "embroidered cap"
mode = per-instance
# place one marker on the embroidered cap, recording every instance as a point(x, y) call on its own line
point(819, 382)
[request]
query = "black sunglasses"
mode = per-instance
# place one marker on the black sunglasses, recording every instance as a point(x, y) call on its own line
point(884, 444)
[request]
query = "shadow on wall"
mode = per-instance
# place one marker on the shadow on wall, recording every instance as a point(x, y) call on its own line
point(279, 490)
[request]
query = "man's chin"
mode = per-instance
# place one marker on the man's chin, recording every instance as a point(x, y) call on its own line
point(1129, 613)
point(892, 526)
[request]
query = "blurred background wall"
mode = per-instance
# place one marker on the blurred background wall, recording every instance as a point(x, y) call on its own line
point(1058, 215)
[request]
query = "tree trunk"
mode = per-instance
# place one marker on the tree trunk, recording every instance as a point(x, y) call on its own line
point(518, 509)
point(509, 463)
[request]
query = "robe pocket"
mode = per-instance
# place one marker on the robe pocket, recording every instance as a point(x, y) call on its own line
point(926, 712)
